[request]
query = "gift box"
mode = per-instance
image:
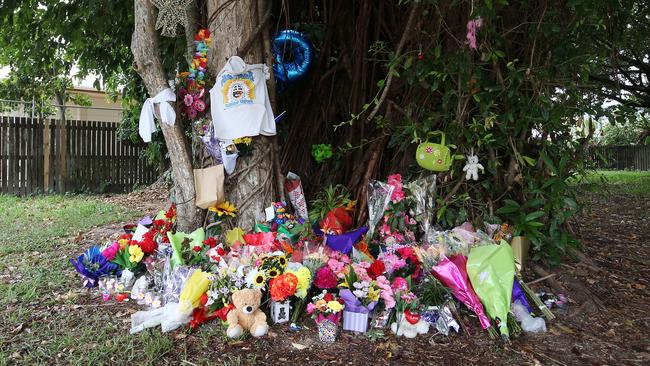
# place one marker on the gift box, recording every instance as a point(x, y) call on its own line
point(280, 311)
point(356, 322)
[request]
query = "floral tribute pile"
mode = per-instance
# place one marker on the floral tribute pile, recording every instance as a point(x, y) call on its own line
point(397, 273)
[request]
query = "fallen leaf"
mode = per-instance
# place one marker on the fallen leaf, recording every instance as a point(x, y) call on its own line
point(18, 329)
point(298, 346)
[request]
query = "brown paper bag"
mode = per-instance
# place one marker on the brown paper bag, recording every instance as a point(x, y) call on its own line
point(208, 184)
point(520, 247)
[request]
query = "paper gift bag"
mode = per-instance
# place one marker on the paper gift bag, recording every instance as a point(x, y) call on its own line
point(208, 184)
point(520, 247)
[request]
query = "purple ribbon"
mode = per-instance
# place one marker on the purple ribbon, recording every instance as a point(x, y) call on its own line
point(344, 242)
point(352, 304)
point(518, 295)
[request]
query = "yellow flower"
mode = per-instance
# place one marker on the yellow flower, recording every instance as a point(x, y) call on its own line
point(224, 208)
point(272, 273)
point(304, 280)
point(136, 254)
point(373, 293)
point(282, 260)
point(243, 140)
point(335, 306)
point(350, 205)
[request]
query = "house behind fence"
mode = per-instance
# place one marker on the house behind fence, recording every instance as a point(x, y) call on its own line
point(50, 155)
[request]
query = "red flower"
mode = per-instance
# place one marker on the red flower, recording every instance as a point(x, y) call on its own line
point(204, 299)
point(325, 278)
point(159, 223)
point(328, 297)
point(171, 213)
point(197, 248)
point(377, 268)
point(148, 245)
point(125, 236)
point(221, 251)
point(211, 242)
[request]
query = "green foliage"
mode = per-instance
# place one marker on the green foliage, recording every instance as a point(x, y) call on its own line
point(327, 200)
point(515, 101)
point(321, 152)
point(635, 129)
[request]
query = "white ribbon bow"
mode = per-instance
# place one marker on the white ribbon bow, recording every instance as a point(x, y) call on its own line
point(167, 114)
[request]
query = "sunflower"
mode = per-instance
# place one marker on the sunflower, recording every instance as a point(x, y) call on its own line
point(224, 208)
point(283, 261)
point(273, 273)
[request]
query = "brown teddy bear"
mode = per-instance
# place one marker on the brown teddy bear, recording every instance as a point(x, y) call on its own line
point(246, 315)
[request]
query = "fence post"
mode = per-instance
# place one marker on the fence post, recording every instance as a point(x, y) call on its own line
point(62, 158)
point(47, 139)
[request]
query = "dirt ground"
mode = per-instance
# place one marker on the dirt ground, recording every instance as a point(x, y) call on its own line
point(605, 323)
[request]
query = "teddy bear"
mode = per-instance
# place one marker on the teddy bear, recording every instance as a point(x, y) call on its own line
point(409, 325)
point(472, 167)
point(246, 315)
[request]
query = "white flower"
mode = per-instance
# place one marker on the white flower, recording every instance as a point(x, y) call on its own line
point(255, 279)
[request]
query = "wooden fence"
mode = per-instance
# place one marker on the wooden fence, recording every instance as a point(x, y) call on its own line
point(46, 155)
point(635, 157)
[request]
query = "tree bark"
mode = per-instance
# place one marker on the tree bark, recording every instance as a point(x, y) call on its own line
point(250, 187)
point(147, 63)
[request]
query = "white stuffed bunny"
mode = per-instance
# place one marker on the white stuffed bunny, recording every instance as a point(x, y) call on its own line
point(472, 167)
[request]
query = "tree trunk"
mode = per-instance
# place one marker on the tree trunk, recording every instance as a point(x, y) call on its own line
point(250, 187)
point(148, 65)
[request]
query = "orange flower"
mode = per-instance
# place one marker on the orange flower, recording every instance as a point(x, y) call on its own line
point(283, 286)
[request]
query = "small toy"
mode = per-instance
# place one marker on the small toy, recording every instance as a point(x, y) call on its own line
point(247, 314)
point(472, 167)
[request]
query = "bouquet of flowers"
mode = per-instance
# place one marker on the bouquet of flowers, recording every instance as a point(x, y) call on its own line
point(326, 310)
point(92, 264)
point(398, 225)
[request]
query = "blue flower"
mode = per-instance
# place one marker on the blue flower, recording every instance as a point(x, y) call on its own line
point(92, 264)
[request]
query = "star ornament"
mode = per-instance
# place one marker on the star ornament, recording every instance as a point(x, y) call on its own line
point(171, 13)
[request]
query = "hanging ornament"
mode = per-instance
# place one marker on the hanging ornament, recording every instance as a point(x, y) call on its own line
point(171, 13)
point(472, 167)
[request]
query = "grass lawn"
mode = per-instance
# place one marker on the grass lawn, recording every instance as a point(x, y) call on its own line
point(635, 183)
point(40, 320)
point(46, 317)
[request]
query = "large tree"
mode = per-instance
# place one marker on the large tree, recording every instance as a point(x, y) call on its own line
point(233, 24)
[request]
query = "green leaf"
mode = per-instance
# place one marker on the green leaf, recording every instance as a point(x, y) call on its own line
point(534, 215)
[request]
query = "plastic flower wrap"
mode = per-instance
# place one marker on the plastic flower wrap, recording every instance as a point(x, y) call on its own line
point(92, 264)
point(452, 273)
point(183, 243)
point(195, 286)
point(345, 242)
point(379, 195)
point(423, 193)
point(491, 269)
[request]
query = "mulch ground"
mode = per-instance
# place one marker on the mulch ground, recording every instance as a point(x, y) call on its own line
point(605, 323)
